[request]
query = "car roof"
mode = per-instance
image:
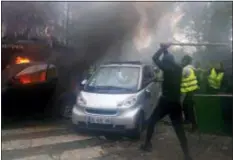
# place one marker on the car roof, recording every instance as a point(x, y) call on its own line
point(28, 64)
point(125, 63)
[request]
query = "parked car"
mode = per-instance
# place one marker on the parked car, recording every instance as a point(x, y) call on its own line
point(28, 88)
point(118, 97)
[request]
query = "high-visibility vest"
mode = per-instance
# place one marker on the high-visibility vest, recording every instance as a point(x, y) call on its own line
point(189, 83)
point(215, 79)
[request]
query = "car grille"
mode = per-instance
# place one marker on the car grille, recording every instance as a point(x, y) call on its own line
point(101, 111)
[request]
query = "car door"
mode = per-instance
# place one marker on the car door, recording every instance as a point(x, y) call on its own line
point(26, 89)
point(51, 79)
point(35, 86)
point(148, 90)
point(156, 87)
point(51, 88)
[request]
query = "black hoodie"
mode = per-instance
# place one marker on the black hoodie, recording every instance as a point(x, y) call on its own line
point(172, 74)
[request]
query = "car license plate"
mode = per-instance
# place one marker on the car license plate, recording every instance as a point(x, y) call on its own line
point(99, 120)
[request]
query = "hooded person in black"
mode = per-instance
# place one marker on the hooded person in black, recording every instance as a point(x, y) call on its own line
point(169, 102)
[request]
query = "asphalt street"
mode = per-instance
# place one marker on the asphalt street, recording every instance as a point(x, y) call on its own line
point(58, 140)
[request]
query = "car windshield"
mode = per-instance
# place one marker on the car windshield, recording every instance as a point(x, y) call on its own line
point(114, 79)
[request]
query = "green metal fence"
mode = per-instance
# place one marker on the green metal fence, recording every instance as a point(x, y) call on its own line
point(214, 113)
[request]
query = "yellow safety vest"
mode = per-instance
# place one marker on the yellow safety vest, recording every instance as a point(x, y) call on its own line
point(215, 79)
point(189, 83)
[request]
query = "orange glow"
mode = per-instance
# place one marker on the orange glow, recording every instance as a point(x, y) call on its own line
point(25, 79)
point(20, 60)
point(43, 76)
point(33, 78)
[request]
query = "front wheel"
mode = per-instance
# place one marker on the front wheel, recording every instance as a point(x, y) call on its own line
point(137, 132)
point(65, 105)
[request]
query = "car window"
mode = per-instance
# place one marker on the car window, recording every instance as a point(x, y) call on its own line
point(32, 74)
point(33, 69)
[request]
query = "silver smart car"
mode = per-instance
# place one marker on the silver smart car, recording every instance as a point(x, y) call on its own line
point(118, 97)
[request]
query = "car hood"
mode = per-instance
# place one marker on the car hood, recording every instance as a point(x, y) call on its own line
point(104, 101)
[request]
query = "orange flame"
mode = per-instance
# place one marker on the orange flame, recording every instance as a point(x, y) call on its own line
point(33, 78)
point(25, 80)
point(20, 60)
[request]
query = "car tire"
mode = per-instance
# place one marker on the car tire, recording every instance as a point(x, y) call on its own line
point(137, 132)
point(66, 110)
point(66, 103)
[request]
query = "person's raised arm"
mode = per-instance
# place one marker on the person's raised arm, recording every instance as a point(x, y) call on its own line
point(163, 49)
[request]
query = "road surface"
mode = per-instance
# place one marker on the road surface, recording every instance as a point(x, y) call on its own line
point(58, 141)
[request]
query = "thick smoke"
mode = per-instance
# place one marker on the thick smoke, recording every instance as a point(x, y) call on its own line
point(92, 29)
point(100, 31)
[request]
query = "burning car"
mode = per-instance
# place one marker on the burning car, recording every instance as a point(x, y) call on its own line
point(28, 87)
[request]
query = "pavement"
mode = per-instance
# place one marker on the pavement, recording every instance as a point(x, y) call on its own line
point(59, 141)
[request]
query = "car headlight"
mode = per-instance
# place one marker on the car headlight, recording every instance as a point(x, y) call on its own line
point(81, 101)
point(132, 101)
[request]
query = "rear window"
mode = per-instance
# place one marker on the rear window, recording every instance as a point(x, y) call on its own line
point(32, 74)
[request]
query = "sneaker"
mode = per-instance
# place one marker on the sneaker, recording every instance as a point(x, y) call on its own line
point(146, 147)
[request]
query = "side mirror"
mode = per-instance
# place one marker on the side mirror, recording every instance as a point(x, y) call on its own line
point(147, 93)
point(83, 82)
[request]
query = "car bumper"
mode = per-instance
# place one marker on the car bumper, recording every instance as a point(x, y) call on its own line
point(122, 122)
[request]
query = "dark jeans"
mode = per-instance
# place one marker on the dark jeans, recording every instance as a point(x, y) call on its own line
point(174, 110)
point(188, 108)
